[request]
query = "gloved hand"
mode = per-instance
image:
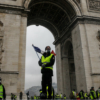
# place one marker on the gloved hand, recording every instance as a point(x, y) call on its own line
point(43, 65)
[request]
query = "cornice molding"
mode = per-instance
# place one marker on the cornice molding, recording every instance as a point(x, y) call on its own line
point(78, 20)
point(9, 72)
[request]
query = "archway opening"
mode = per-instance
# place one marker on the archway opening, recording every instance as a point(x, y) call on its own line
point(56, 15)
point(40, 37)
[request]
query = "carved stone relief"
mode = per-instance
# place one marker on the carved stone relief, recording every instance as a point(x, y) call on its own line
point(94, 5)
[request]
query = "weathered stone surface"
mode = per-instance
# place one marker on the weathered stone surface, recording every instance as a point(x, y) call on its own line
point(74, 21)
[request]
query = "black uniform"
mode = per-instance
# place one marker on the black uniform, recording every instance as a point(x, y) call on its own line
point(47, 74)
point(21, 95)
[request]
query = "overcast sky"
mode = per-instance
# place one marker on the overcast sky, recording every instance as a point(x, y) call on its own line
point(40, 37)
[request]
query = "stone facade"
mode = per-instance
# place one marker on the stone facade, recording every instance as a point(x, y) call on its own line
point(74, 24)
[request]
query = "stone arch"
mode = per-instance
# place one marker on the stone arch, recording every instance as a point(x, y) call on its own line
point(54, 15)
point(75, 6)
point(72, 2)
point(46, 24)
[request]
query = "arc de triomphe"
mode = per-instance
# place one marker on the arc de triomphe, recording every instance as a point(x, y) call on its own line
point(75, 25)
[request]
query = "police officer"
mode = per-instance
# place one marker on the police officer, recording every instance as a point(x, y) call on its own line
point(21, 95)
point(46, 62)
point(98, 93)
point(27, 95)
point(12, 97)
point(15, 97)
point(64, 97)
point(2, 91)
point(57, 96)
point(85, 95)
point(61, 96)
point(92, 93)
point(34, 97)
point(81, 94)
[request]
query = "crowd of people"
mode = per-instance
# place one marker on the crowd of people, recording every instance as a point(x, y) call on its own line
point(92, 95)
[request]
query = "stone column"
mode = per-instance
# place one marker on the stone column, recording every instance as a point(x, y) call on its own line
point(66, 77)
point(22, 52)
point(81, 58)
point(59, 69)
point(13, 58)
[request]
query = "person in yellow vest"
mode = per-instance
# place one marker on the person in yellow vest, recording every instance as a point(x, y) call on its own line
point(92, 93)
point(61, 96)
point(57, 96)
point(34, 97)
point(40, 91)
point(77, 97)
point(85, 95)
point(12, 96)
point(72, 95)
point(98, 93)
point(15, 97)
point(46, 62)
point(81, 94)
point(2, 91)
point(64, 96)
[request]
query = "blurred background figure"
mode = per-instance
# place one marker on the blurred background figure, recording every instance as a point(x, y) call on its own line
point(2, 91)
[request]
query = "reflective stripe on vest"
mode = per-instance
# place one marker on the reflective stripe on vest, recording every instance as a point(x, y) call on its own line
point(40, 91)
point(93, 94)
point(81, 95)
point(57, 96)
point(48, 92)
point(91, 97)
point(85, 95)
point(1, 91)
point(47, 60)
point(73, 93)
point(98, 93)
point(34, 97)
point(60, 95)
point(52, 93)
point(15, 96)
point(64, 97)
point(77, 96)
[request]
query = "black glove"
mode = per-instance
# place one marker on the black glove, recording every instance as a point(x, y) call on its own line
point(43, 65)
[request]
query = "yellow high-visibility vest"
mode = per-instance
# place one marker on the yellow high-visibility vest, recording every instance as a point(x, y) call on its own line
point(47, 60)
point(91, 97)
point(34, 97)
point(1, 91)
point(85, 95)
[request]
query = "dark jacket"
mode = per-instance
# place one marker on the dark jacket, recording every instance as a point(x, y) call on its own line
point(92, 93)
point(53, 93)
point(82, 94)
point(44, 70)
point(21, 94)
point(4, 92)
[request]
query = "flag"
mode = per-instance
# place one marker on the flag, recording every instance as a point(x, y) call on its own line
point(53, 53)
point(38, 49)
